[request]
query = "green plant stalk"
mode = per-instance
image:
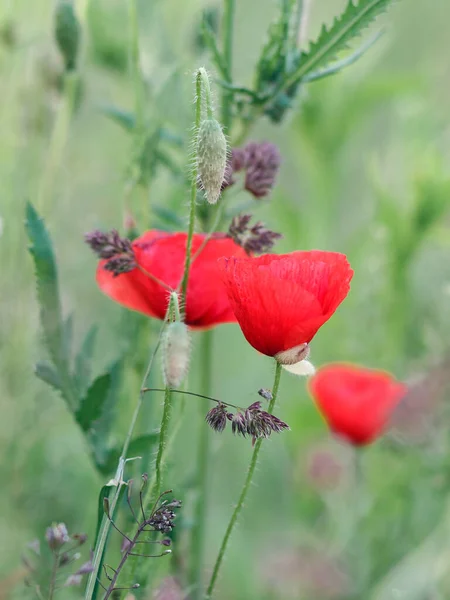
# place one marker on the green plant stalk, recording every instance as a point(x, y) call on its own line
point(203, 473)
point(135, 66)
point(229, 10)
point(200, 76)
point(58, 141)
point(165, 421)
point(244, 492)
point(105, 525)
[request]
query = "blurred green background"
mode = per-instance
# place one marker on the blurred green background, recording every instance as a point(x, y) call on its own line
point(365, 171)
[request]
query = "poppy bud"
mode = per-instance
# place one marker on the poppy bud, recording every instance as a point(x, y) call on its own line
point(67, 33)
point(176, 351)
point(211, 158)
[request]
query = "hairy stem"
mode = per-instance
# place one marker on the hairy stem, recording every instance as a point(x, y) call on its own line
point(51, 589)
point(228, 25)
point(244, 492)
point(162, 441)
point(203, 473)
point(193, 197)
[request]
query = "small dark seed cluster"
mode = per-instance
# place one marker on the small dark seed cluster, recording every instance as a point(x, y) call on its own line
point(116, 250)
point(260, 161)
point(252, 422)
point(163, 517)
point(255, 239)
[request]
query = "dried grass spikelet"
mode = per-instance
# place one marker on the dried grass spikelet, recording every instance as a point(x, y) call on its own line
point(176, 349)
point(211, 158)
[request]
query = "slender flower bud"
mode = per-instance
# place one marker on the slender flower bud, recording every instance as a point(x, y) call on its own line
point(67, 33)
point(176, 350)
point(57, 535)
point(211, 158)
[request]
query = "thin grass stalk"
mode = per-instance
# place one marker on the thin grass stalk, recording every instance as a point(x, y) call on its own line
point(105, 525)
point(244, 492)
point(203, 472)
point(58, 141)
point(229, 10)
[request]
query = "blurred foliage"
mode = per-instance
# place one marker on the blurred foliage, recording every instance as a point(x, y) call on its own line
point(365, 171)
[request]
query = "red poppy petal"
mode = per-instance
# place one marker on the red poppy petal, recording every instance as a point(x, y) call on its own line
point(356, 402)
point(129, 289)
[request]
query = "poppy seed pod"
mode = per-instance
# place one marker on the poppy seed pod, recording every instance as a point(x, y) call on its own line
point(176, 350)
point(211, 158)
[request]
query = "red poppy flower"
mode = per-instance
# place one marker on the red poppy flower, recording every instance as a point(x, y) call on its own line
point(280, 301)
point(356, 402)
point(162, 256)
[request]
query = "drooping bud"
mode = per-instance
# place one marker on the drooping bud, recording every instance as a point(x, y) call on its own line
point(211, 158)
point(176, 348)
point(67, 33)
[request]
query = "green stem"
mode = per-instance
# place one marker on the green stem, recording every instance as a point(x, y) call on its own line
point(190, 233)
point(135, 66)
point(52, 587)
point(58, 141)
point(228, 26)
point(118, 478)
point(203, 472)
point(244, 492)
point(162, 441)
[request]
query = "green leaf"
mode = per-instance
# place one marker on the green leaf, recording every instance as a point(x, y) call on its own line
point(56, 332)
point(345, 62)
point(92, 404)
point(83, 361)
point(332, 41)
point(137, 447)
point(118, 115)
point(41, 250)
point(47, 373)
point(273, 60)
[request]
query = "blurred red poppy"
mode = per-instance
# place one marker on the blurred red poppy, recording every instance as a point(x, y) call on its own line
point(280, 301)
point(356, 402)
point(161, 255)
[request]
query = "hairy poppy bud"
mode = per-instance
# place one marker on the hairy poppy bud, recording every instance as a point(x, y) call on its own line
point(176, 351)
point(67, 33)
point(211, 158)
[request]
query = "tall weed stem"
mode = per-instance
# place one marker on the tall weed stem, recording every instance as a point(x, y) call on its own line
point(244, 492)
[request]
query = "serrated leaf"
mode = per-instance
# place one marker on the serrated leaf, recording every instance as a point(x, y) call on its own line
point(91, 406)
point(52, 324)
point(118, 115)
point(83, 361)
point(67, 338)
point(273, 60)
point(137, 447)
point(332, 41)
point(41, 250)
point(47, 373)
